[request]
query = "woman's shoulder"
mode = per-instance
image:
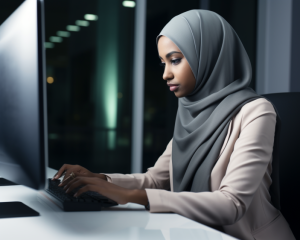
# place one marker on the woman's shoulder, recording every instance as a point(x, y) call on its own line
point(255, 109)
point(261, 103)
point(257, 106)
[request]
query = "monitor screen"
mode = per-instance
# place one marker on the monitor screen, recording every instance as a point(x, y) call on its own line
point(23, 117)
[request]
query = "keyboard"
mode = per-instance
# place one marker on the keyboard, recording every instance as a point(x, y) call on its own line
point(88, 201)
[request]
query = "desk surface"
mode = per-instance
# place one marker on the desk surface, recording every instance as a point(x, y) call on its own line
point(130, 221)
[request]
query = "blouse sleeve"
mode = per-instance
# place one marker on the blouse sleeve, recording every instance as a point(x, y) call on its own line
point(248, 163)
point(156, 177)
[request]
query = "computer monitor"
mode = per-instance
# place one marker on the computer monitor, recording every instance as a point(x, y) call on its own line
point(23, 116)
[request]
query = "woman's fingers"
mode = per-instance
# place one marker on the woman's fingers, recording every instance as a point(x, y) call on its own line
point(65, 181)
point(72, 169)
point(67, 174)
point(73, 184)
point(60, 171)
point(67, 184)
point(76, 169)
point(77, 182)
point(86, 188)
point(68, 178)
point(114, 192)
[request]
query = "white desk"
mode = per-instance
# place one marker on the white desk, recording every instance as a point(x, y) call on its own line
point(130, 221)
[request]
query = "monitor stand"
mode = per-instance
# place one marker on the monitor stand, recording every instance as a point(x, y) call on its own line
point(14, 209)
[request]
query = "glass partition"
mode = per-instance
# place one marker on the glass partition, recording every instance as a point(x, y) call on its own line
point(89, 53)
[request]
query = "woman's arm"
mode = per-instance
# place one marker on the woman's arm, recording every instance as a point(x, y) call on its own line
point(123, 188)
point(118, 194)
point(156, 177)
point(248, 163)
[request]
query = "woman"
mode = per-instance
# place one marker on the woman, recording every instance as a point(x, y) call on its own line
point(218, 165)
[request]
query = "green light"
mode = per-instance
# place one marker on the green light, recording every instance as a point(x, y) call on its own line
point(90, 17)
point(111, 139)
point(107, 88)
point(82, 23)
point(130, 4)
point(55, 39)
point(110, 93)
point(73, 28)
point(63, 34)
point(48, 45)
point(107, 72)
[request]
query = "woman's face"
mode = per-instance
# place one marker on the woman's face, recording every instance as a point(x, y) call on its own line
point(177, 73)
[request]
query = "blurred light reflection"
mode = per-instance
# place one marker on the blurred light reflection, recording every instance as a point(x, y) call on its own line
point(55, 39)
point(82, 23)
point(91, 17)
point(50, 80)
point(130, 4)
point(73, 28)
point(63, 34)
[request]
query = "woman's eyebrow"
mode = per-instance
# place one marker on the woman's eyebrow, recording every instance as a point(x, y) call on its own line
point(169, 54)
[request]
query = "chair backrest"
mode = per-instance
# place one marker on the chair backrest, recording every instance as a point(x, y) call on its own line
point(288, 107)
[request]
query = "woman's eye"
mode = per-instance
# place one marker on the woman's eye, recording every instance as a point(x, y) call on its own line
point(176, 61)
point(162, 64)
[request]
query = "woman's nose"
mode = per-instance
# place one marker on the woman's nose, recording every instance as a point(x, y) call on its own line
point(168, 75)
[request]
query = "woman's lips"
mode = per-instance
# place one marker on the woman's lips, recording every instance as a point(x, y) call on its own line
point(173, 87)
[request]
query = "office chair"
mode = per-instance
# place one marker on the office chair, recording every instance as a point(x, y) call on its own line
point(288, 108)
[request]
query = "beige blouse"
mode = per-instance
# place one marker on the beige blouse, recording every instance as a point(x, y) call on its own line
point(239, 203)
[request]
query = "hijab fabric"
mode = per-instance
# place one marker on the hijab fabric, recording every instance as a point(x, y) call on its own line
point(223, 73)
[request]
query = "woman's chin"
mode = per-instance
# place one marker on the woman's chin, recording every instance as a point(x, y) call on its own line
point(179, 94)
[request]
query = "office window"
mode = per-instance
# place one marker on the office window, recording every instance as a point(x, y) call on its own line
point(89, 51)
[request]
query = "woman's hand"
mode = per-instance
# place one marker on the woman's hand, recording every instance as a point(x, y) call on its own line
point(78, 171)
point(110, 190)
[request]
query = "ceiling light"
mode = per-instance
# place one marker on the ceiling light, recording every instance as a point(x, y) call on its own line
point(63, 34)
point(73, 28)
point(130, 4)
point(55, 39)
point(91, 17)
point(82, 23)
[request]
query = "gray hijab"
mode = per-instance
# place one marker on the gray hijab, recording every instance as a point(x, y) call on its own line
point(223, 73)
